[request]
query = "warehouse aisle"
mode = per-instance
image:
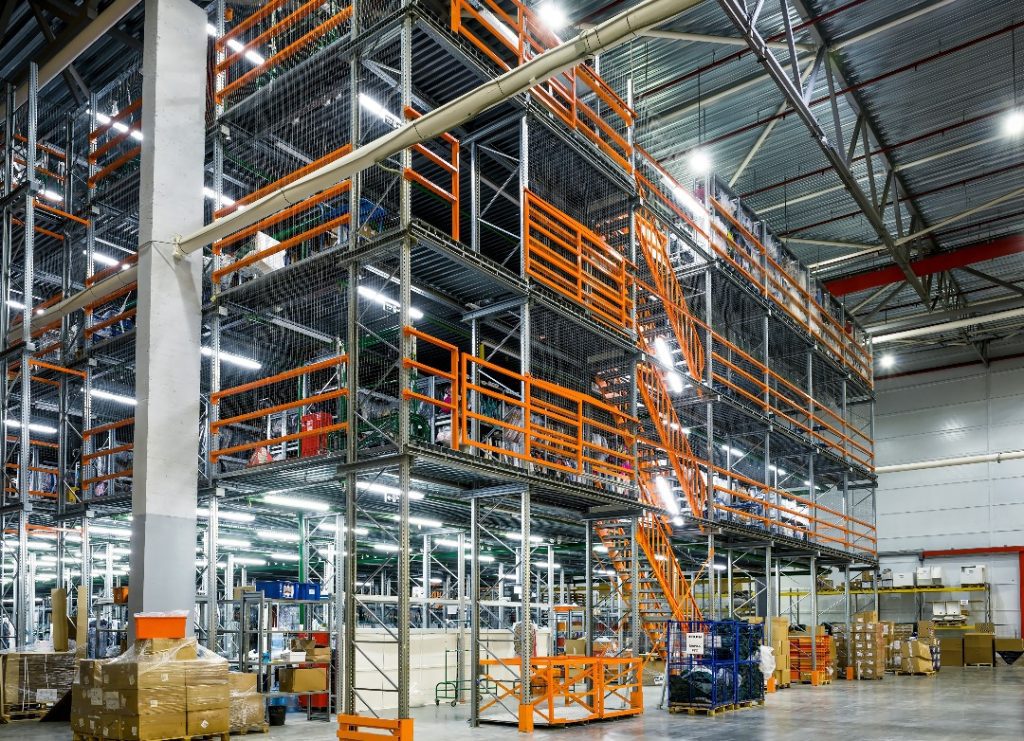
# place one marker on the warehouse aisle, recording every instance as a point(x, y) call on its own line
point(958, 703)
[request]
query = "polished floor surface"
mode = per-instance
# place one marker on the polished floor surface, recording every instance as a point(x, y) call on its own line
point(961, 704)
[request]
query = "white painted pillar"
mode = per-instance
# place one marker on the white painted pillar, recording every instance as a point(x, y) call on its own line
point(170, 297)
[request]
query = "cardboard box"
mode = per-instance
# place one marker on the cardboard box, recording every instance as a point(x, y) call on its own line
point(206, 673)
point(165, 649)
point(207, 722)
point(303, 680)
point(869, 616)
point(979, 648)
point(201, 697)
point(240, 682)
point(246, 711)
point(36, 677)
point(143, 702)
point(142, 727)
point(916, 650)
point(575, 647)
point(89, 672)
point(1009, 644)
point(985, 628)
point(143, 675)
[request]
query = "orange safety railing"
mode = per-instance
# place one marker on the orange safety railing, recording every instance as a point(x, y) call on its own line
point(449, 166)
point(370, 728)
point(113, 145)
point(576, 262)
point(334, 365)
point(449, 375)
point(759, 268)
point(104, 453)
point(509, 37)
point(564, 690)
point(121, 302)
point(269, 38)
point(571, 434)
point(653, 242)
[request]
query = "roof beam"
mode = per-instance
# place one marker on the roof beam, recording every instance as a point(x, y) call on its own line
point(952, 260)
point(734, 10)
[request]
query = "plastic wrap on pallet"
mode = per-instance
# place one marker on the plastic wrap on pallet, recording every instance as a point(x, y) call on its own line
point(247, 706)
point(36, 677)
point(159, 688)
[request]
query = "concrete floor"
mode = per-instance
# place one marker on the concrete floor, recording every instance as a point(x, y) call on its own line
point(961, 704)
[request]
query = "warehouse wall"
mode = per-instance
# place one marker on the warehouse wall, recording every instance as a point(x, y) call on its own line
point(946, 414)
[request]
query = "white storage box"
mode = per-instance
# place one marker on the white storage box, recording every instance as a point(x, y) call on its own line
point(936, 576)
point(971, 575)
point(923, 576)
point(902, 579)
point(938, 609)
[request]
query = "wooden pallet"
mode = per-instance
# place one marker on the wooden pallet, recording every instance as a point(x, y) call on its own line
point(915, 674)
point(255, 728)
point(221, 736)
point(985, 665)
point(23, 713)
point(679, 707)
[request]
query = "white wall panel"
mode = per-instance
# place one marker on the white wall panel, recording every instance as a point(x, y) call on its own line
point(947, 414)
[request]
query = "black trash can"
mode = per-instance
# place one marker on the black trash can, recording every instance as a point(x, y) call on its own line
point(276, 714)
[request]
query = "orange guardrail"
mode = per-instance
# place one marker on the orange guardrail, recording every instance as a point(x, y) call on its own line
point(269, 37)
point(564, 690)
point(104, 453)
point(369, 728)
point(576, 262)
point(333, 366)
point(448, 166)
point(755, 267)
point(509, 33)
point(449, 375)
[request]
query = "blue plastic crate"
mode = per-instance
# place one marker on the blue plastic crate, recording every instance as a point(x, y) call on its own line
point(279, 589)
point(309, 591)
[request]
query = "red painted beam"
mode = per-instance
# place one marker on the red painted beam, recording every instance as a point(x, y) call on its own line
point(958, 258)
point(983, 551)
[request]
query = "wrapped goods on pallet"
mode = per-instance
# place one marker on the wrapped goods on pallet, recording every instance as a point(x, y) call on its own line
point(246, 704)
point(35, 680)
point(868, 650)
point(916, 657)
point(714, 664)
point(160, 688)
point(780, 645)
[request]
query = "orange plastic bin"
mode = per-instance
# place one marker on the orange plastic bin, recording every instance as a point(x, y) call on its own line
point(160, 625)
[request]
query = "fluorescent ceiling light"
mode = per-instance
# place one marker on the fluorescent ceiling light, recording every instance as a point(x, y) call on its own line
point(677, 521)
point(212, 195)
point(378, 110)
point(33, 426)
point(675, 382)
point(700, 162)
point(447, 543)
point(483, 558)
point(295, 503)
point(545, 564)
point(720, 567)
point(386, 547)
point(227, 515)
point(387, 490)
point(1013, 123)
point(52, 195)
point(35, 545)
point(383, 300)
point(604, 572)
point(15, 304)
point(667, 497)
point(284, 557)
point(329, 527)
point(278, 535)
point(601, 548)
point(238, 360)
point(512, 535)
point(436, 580)
point(663, 354)
point(886, 361)
point(119, 398)
point(552, 16)
point(234, 543)
point(103, 259)
point(420, 521)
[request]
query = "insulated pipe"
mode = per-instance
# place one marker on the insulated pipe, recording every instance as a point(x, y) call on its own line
point(68, 53)
point(947, 326)
point(1006, 455)
point(629, 24)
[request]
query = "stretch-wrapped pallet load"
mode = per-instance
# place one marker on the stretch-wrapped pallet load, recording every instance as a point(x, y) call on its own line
point(780, 645)
point(160, 688)
point(916, 657)
point(247, 705)
point(35, 680)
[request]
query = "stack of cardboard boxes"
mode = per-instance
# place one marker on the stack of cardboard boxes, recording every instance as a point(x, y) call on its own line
point(34, 679)
point(161, 688)
point(868, 646)
point(916, 657)
point(980, 649)
point(247, 708)
point(780, 647)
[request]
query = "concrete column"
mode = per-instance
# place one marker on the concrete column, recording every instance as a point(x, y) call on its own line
point(170, 297)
